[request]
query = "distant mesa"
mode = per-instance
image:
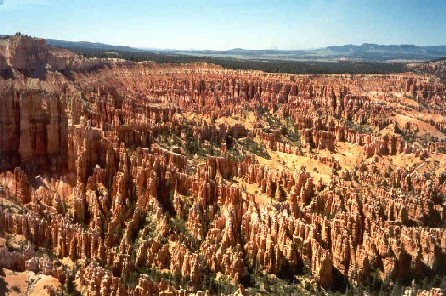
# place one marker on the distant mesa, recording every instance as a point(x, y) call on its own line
point(366, 52)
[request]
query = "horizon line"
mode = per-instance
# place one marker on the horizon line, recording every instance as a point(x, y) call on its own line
point(227, 49)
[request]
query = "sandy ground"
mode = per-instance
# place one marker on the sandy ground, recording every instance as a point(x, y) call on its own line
point(427, 116)
point(348, 155)
point(25, 283)
point(423, 127)
point(434, 163)
point(42, 281)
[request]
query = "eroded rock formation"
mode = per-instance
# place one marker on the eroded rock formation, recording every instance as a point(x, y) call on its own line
point(162, 179)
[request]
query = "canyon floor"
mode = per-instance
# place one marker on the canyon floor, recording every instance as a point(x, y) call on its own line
point(121, 178)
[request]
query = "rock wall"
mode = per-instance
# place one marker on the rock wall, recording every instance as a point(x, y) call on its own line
point(34, 129)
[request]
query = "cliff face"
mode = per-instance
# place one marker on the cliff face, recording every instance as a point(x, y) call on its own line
point(34, 128)
point(30, 57)
point(157, 179)
point(26, 55)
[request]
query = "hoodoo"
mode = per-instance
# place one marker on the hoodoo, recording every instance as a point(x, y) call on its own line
point(125, 178)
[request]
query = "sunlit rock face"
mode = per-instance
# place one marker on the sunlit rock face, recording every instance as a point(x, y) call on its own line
point(30, 57)
point(143, 179)
point(34, 130)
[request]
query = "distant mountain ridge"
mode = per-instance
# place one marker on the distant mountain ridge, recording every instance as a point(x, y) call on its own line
point(366, 52)
point(403, 48)
point(87, 44)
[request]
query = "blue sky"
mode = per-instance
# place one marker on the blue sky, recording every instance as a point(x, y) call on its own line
point(226, 24)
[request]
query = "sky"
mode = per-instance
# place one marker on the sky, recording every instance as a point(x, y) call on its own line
point(227, 24)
